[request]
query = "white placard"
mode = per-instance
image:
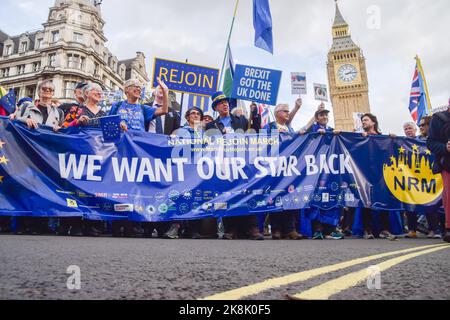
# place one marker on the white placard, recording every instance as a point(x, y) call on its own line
point(298, 80)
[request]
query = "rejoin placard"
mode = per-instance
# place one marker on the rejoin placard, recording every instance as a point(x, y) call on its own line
point(256, 84)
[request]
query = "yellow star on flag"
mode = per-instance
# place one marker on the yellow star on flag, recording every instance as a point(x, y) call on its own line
point(3, 160)
point(2, 143)
point(428, 153)
point(415, 148)
point(1, 179)
point(401, 150)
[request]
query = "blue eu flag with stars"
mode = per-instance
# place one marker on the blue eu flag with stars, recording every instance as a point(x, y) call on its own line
point(8, 101)
point(111, 128)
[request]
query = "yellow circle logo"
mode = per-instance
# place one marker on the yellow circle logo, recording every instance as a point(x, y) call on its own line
point(410, 178)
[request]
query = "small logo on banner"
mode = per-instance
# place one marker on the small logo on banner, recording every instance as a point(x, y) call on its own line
point(410, 178)
point(123, 208)
point(72, 203)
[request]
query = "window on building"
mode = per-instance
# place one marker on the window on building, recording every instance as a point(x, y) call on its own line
point(39, 43)
point(96, 69)
point(55, 36)
point(69, 90)
point(78, 37)
point(23, 46)
point(36, 66)
point(21, 69)
point(52, 60)
point(8, 50)
point(75, 61)
point(5, 72)
point(96, 45)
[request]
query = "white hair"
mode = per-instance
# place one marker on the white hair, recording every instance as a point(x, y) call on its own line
point(409, 124)
point(89, 87)
point(280, 106)
point(46, 82)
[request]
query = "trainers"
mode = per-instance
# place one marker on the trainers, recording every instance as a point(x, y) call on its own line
point(173, 232)
point(388, 235)
point(318, 236)
point(432, 235)
point(335, 236)
point(411, 235)
point(368, 236)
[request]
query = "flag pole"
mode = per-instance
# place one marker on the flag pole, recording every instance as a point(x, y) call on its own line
point(228, 44)
point(419, 66)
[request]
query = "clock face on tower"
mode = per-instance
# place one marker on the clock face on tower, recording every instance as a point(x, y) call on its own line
point(347, 73)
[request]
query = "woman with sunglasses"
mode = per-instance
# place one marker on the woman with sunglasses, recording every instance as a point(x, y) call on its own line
point(43, 111)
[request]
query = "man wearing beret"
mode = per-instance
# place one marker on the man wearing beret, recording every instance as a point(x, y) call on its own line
point(235, 227)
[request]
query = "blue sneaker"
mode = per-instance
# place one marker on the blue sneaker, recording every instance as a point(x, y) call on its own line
point(318, 236)
point(335, 236)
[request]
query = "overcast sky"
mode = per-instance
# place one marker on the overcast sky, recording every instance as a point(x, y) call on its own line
point(197, 30)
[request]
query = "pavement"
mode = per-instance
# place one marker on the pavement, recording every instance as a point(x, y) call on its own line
point(35, 267)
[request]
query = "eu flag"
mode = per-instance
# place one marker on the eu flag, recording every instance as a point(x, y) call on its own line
point(8, 101)
point(111, 128)
point(262, 21)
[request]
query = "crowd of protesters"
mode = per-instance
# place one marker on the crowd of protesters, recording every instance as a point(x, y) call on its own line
point(160, 118)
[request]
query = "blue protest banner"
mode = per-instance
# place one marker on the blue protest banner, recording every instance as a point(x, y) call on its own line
point(256, 84)
point(148, 177)
point(186, 77)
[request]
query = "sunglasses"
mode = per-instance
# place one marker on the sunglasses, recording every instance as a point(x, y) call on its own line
point(195, 114)
point(47, 89)
point(422, 125)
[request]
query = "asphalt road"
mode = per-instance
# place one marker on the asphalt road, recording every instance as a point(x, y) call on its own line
point(151, 269)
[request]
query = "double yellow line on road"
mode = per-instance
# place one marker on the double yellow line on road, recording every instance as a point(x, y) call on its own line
point(330, 288)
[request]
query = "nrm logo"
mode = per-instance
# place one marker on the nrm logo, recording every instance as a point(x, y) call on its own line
point(410, 178)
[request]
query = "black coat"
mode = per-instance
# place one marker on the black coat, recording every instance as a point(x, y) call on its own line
point(172, 122)
point(438, 137)
point(237, 123)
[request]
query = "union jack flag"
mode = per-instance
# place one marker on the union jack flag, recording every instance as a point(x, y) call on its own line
point(264, 112)
point(419, 103)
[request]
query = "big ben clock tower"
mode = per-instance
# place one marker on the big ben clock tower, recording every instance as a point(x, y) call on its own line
point(347, 76)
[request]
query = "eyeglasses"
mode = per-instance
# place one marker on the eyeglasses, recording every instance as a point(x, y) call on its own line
point(47, 89)
point(195, 113)
point(284, 111)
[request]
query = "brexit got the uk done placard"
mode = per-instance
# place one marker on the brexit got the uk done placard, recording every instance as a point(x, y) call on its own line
point(256, 84)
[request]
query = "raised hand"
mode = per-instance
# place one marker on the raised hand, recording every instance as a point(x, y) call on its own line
point(299, 103)
point(163, 86)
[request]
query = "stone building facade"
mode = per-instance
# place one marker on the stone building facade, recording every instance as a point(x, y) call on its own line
point(69, 49)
